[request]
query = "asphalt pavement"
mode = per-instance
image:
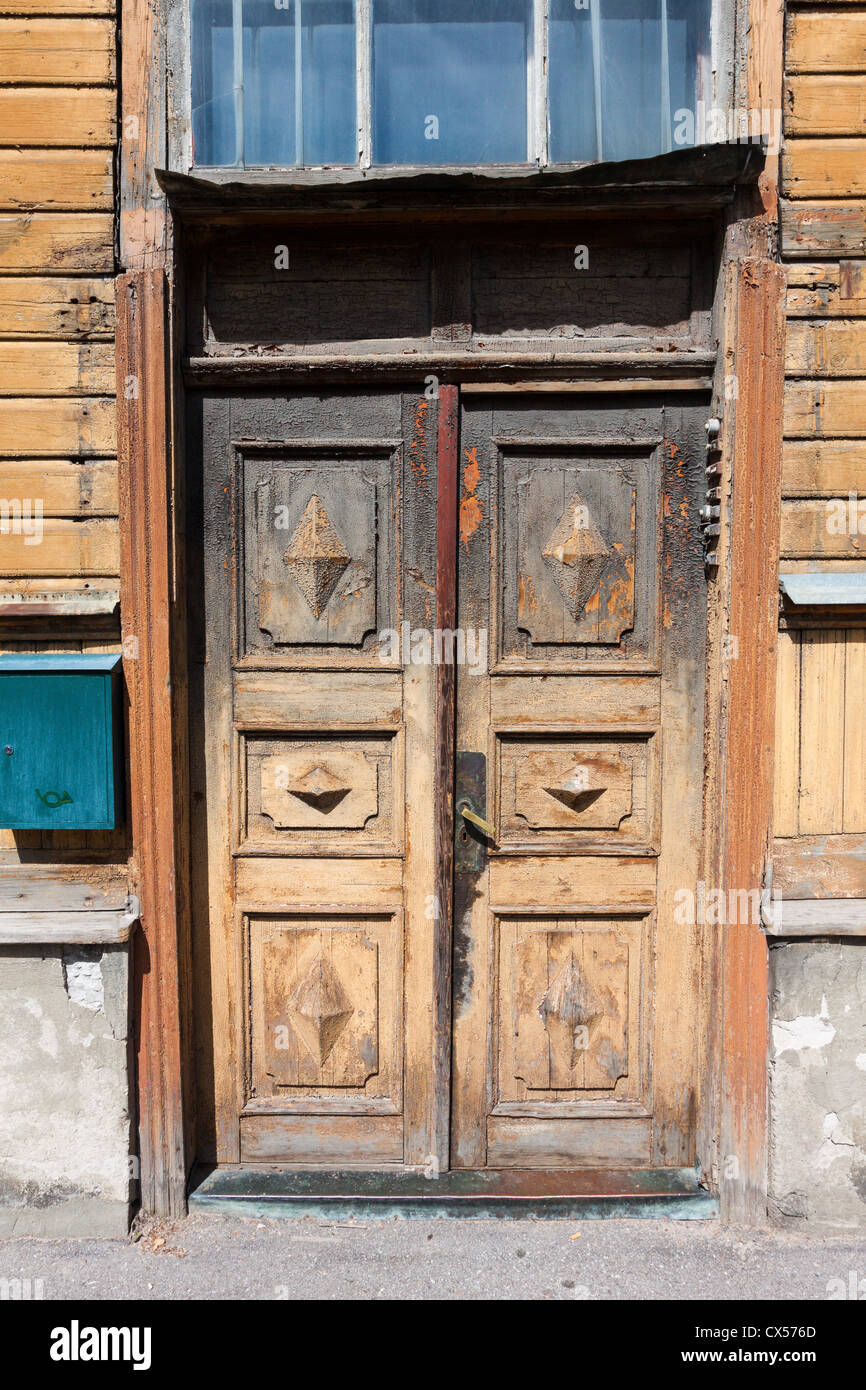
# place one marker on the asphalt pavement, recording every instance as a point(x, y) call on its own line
point(217, 1257)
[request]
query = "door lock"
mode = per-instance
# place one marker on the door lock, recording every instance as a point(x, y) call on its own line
point(473, 834)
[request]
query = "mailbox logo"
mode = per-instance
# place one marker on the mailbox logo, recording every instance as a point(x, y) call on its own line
point(54, 799)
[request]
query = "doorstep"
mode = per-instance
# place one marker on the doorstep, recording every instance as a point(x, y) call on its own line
point(587, 1194)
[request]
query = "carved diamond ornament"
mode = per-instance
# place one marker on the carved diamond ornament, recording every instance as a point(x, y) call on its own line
point(316, 557)
point(568, 1008)
point(577, 790)
point(577, 556)
point(319, 1010)
point(319, 788)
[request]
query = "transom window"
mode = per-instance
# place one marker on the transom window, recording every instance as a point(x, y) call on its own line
point(312, 83)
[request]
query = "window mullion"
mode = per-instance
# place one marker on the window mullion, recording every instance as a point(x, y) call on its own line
point(238, 77)
point(364, 80)
point(299, 86)
point(595, 20)
point(666, 133)
point(537, 86)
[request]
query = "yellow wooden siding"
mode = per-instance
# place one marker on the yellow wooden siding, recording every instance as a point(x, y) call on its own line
point(829, 468)
point(31, 9)
point(47, 117)
point(827, 530)
point(58, 108)
point(62, 52)
point(823, 209)
point(826, 348)
point(820, 786)
point(67, 488)
point(48, 243)
point(826, 38)
point(56, 369)
point(828, 409)
point(68, 180)
point(830, 168)
point(821, 104)
point(52, 307)
point(787, 767)
point(63, 547)
point(57, 428)
point(822, 732)
point(823, 168)
point(826, 289)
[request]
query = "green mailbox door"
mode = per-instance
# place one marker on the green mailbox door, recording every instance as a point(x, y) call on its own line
point(60, 742)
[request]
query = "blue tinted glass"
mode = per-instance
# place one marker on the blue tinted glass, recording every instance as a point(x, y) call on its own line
point(621, 71)
point(213, 104)
point(273, 82)
point(450, 81)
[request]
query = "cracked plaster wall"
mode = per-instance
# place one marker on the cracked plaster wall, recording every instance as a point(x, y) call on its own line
point(818, 1085)
point(64, 1090)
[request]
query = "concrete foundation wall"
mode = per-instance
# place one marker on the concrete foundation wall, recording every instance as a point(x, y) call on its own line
point(64, 1090)
point(818, 1086)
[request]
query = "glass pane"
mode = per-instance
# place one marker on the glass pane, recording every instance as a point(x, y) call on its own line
point(450, 81)
point(273, 82)
point(621, 73)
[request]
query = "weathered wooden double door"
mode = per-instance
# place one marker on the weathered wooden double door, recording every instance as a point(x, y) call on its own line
point(537, 1005)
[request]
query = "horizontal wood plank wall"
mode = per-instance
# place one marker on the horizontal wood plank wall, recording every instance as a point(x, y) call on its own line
point(820, 747)
point(58, 118)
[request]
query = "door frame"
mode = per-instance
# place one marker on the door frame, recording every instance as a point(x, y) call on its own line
point(741, 700)
point(733, 1120)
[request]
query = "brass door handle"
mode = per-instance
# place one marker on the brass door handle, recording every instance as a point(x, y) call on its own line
point(483, 825)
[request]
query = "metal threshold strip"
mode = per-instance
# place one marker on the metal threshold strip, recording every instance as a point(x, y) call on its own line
point(543, 1194)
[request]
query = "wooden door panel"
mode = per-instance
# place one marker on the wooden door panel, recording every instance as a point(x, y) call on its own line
point(321, 568)
point(570, 587)
point(576, 538)
point(311, 882)
point(559, 790)
point(337, 791)
point(315, 1141)
point(575, 991)
point(315, 943)
point(570, 881)
point(325, 1008)
point(568, 1016)
point(592, 702)
point(605, 1142)
point(264, 698)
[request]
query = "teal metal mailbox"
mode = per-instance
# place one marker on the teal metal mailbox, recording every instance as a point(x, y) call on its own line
point(61, 765)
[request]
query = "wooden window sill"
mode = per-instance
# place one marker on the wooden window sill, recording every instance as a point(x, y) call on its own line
point(789, 917)
point(84, 927)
